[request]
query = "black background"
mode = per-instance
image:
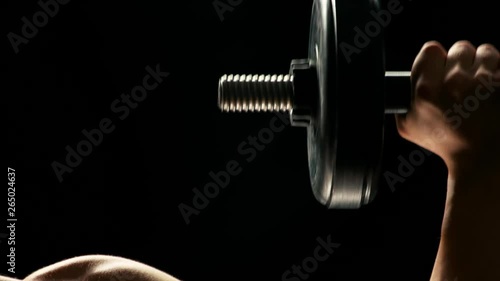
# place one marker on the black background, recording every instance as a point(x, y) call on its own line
point(123, 198)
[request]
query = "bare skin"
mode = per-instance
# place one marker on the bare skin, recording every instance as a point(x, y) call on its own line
point(443, 119)
point(465, 80)
point(99, 268)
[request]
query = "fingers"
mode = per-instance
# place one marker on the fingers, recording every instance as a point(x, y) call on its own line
point(427, 78)
point(428, 70)
point(461, 54)
point(448, 86)
point(487, 59)
point(460, 69)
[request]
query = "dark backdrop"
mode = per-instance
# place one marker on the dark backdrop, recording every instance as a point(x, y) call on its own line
point(123, 198)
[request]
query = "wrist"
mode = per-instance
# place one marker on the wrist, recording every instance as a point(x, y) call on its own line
point(474, 166)
point(473, 196)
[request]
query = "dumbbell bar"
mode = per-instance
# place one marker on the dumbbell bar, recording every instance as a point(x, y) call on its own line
point(342, 104)
point(275, 93)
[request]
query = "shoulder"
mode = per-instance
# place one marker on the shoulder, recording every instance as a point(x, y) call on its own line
point(99, 267)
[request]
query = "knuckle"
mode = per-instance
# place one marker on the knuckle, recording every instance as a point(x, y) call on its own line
point(487, 48)
point(464, 45)
point(461, 49)
point(487, 52)
point(433, 49)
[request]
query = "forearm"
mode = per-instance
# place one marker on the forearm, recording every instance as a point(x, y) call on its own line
point(470, 241)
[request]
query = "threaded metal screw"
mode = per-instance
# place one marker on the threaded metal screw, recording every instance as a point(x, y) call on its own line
point(243, 93)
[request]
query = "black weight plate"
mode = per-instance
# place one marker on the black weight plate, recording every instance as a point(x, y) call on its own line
point(346, 134)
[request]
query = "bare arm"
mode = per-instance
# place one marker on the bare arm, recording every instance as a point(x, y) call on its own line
point(470, 244)
point(3, 278)
point(99, 268)
point(456, 114)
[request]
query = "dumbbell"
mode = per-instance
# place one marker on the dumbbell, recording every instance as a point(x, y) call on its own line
point(341, 100)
